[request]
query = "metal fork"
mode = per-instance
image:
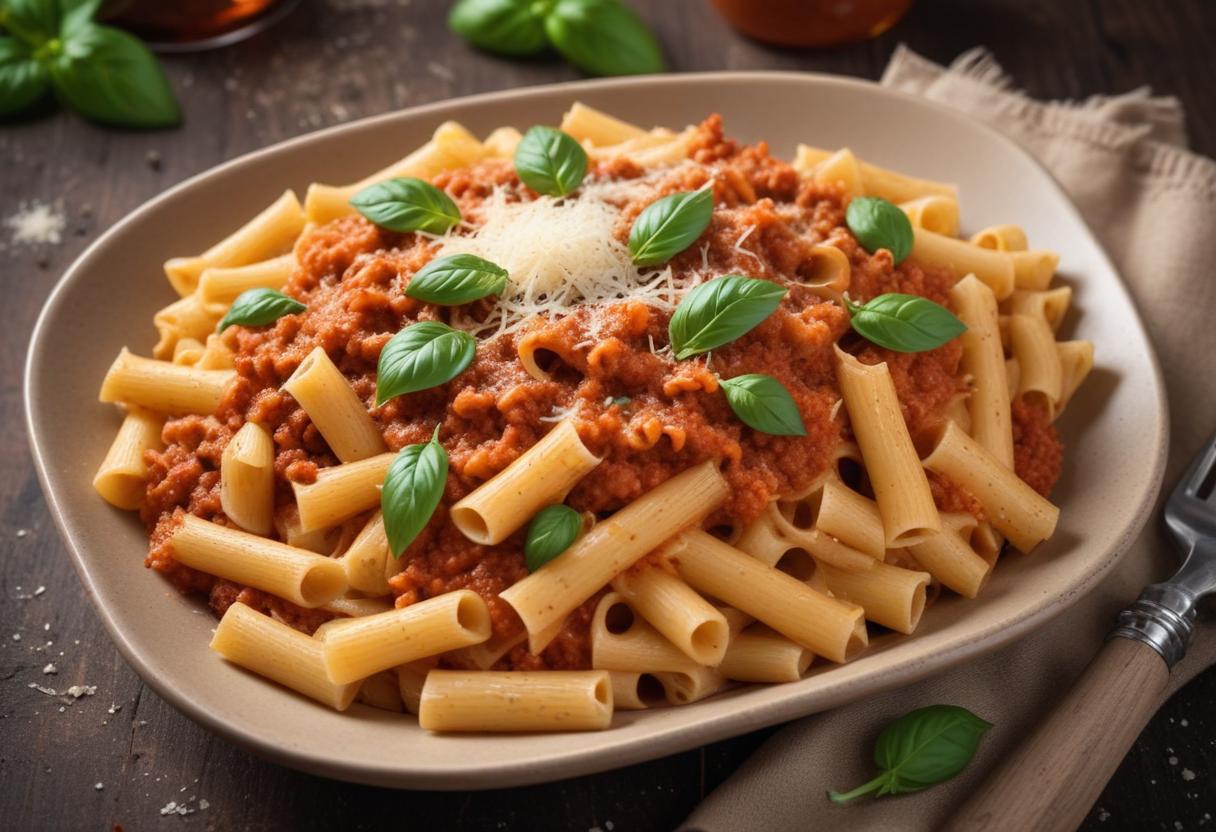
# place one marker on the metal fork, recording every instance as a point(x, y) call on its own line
point(1051, 782)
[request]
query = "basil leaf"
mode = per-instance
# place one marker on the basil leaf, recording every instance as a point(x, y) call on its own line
point(550, 533)
point(719, 311)
point(764, 404)
point(110, 77)
point(421, 356)
point(920, 749)
point(23, 81)
point(407, 204)
point(622, 401)
point(669, 225)
point(258, 307)
point(877, 224)
point(905, 323)
point(32, 21)
point(603, 37)
point(74, 14)
point(412, 489)
point(457, 279)
point(504, 27)
point(550, 162)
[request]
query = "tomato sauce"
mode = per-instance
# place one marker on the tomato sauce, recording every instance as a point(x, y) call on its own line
point(352, 276)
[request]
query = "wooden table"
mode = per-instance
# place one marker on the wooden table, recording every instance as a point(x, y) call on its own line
point(122, 756)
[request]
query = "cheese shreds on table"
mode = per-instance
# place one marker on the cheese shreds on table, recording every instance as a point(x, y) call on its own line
point(560, 253)
point(37, 224)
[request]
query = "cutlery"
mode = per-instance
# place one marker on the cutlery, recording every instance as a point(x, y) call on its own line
point(1051, 782)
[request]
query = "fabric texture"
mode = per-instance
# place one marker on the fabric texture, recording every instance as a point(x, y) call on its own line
point(1149, 200)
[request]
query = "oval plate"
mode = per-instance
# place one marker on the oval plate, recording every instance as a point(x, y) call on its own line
point(1105, 493)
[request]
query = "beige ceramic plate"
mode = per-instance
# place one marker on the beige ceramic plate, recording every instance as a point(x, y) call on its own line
point(107, 299)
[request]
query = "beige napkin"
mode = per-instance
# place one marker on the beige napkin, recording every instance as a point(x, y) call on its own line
point(1150, 201)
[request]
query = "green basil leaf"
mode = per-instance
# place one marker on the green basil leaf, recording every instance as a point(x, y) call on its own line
point(603, 37)
point(74, 14)
point(258, 307)
point(110, 77)
point(921, 749)
point(457, 279)
point(763, 403)
point(877, 224)
point(622, 401)
point(407, 204)
point(33, 21)
point(412, 489)
point(504, 27)
point(669, 225)
point(905, 323)
point(23, 81)
point(550, 162)
point(421, 356)
point(719, 311)
point(550, 533)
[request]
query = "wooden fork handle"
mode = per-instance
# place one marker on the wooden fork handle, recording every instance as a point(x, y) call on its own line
point(1052, 780)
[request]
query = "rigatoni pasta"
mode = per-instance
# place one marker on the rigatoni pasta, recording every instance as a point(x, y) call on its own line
point(513, 454)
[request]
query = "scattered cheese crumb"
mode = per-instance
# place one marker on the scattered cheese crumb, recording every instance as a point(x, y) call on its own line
point(1102, 815)
point(114, 709)
point(22, 532)
point(1184, 723)
point(1173, 761)
point(16, 636)
point(77, 691)
point(49, 669)
point(1188, 775)
point(39, 590)
point(37, 223)
point(99, 786)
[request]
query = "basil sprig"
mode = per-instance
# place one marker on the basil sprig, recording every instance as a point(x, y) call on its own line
point(549, 161)
point(603, 37)
point(921, 749)
point(422, 356)
point(719, 311)
point(505, 27)
point(762, 403)
point(457, 279)
point(102, 73)
point(600, 37)
point(550, 533)
point(412, 489)
point(258, 307)
point(877, 223)
point(407, 204)
point(905, 323)
point(669, 225)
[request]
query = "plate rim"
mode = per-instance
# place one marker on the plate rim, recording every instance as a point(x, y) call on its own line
point(473, 775)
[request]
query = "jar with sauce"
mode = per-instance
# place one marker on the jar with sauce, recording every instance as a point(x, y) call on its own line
point(188, 25)
point(812, 22)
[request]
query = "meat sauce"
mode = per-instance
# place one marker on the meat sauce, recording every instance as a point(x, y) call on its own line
point(648, 416)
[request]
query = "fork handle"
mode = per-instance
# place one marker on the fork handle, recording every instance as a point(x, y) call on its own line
point(1051, 782)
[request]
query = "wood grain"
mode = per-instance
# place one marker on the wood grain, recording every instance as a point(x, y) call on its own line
point(337, 60)
point(1050, 781)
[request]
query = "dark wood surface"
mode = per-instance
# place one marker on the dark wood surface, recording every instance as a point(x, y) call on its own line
point(122, 755)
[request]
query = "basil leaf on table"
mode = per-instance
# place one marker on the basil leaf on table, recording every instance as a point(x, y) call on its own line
point(504, 27)
point(33, 21)
point(877, 223)
point(669, 225)
point(550, 533)
point(921, 749)
point(719, 311)
point(23, 81)
point(905, 323)
point(762, 403)
point(407, 204)
point(110, 77)
point(421, 356)
point(258, 307)
point(603, 37)
point(457, 279)
point(549, 161)
point(412, 489)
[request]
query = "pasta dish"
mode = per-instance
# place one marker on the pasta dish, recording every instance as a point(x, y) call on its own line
point(523, 430)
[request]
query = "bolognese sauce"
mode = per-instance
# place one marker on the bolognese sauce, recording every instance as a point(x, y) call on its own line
point(608, 369)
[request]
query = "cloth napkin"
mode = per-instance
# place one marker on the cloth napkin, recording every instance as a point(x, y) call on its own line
point(1124, 162)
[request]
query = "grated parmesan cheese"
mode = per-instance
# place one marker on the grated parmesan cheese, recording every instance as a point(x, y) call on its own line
point(37, 224)
point(741, 250)
point(560, 253)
